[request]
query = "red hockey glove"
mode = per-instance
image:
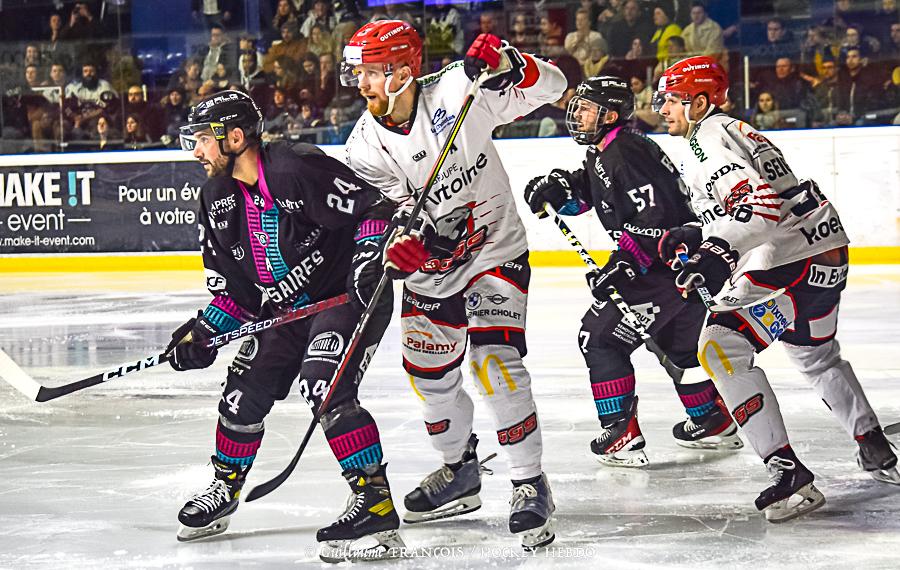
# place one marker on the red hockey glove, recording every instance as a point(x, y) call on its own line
point(489, 52)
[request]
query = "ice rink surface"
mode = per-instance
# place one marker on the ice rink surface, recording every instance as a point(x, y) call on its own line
point(95, 479)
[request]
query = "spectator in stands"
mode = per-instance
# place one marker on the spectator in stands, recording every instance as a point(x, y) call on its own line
point(327, 83)
point(103, 136)
point(444, 34)
point(307, 117)
point(786, 87)
point(778, 44)
point(320, 14)
point(290, 46)
point(175, 114)
point(220, 49)
point(248, 43)
point(221, 79)
point(338, 128)
point(188, 79)
point(91, 95)
point(283, 74)
point(675, 48)
point(879, 21)
point(487, 24)
point(633, 24)
point(853, 38)
point(647, 119)
point(59, 79)
point(150, 116)
point(703, 36)
point(285, 13)
point(82, 25)
point(308, 78)
point(665, 29)
point(859, 88)
point(551, 118)
point(31, 77)
point(55, 48)
point(251, 78)
point(892, 48)
point(135, 135)
point(213, 12)
point(522, 36)
point(766, 116)
point(277, 113)
point(815, 49)
point(826, 95)
point(550, 39)
point(580, 42)
point(320, 41)
point(596, 60)
point(32, 56)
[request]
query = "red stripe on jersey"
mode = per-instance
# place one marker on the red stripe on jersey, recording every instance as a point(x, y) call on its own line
point(531, 72)
point(764, 187)
point(767, 216)
point(739, 184)
point(768, 196)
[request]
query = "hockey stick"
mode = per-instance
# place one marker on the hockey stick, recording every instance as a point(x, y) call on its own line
point(20, 380)
point(267, 487)
point(628, 316)
point(710, 301)
point(892, 429)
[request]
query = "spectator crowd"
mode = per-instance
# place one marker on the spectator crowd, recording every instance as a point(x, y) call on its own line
point(80, 87)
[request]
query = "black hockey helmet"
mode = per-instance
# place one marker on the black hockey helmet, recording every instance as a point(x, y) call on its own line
point(220, 111)
point(594, 98)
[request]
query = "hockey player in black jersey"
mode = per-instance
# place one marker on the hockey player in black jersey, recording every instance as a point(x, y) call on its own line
point(637, 194)
point(282, 227)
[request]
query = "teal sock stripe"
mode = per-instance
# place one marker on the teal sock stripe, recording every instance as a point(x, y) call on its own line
point(607, 406)
point(235, 460)
point(220, 319)
point(700, 410)
point(369, 456)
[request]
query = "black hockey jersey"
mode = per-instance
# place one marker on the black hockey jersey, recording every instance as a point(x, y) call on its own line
point(635, 190)
point(289, 238)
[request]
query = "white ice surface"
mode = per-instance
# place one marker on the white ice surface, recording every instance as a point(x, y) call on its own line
point(95, 479)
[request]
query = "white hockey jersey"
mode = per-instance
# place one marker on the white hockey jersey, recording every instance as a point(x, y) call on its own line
point(471, 203)
point(744, 192)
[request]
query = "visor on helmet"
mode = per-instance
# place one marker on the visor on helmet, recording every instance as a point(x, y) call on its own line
point(660, 97)
point(188, 133)
point(585, 119)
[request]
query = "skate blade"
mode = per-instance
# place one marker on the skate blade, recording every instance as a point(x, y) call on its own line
point(455, 508)
point(731, 442)
point(377, 546)
point(189, 533)
point(886, 475)
point(629, 459)
point(538, 537)
point(790, 508)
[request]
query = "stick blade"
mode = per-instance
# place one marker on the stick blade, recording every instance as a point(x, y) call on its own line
point(264, 489)
point(13, 374)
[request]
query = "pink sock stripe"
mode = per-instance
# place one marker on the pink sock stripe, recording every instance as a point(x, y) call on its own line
point(698, 399)
point(369, 228)
point(613, 388)
point(232, 448)
point(354, 441)
point(228, 305)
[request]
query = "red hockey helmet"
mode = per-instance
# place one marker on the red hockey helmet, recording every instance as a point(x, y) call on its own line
point(389, 42)
point(691, 77)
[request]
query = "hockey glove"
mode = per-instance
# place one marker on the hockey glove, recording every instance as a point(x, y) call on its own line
point(617, 272)
point(680, 238)
point(403, 255)
point(489, 52)
point(188, 348)
point(710, 266)
point(554, 189)
point(366, 270)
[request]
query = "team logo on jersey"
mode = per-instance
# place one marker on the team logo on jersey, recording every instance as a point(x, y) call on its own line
point(459, 237)
point(419, 155)
point(215, 282)
point(474, 300)
point(328, 343)
point(646, 313)
point(441, 121)
point(601, 172)
point(237, 251)
point(262, 238)
point(770, 317)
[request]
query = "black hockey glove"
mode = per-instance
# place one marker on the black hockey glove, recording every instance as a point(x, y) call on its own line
point(681, 238)
point(366, 270)
point(617, 272)
point(490, 52)
point(554, 189)
point(710, 266)
point(188, 348)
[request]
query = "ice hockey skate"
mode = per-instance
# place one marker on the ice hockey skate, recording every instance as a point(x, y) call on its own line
point(621, 444)
point(792, 492)
point(876, 456)
point(449, 491)
point(530, 513)
point(208, 513)
point(714, 430)
point(367, 529)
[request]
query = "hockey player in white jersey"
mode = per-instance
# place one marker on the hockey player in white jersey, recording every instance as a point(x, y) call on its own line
point(763, 230)
point(467, 273)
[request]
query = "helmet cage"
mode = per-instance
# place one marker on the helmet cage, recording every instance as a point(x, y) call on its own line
point(583, 133)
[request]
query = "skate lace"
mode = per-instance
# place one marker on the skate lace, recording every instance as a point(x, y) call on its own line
point(436, 482)
point(776, 468)
point(522, 493)
point(689, 425)
point(216, 494)
point(354, 504)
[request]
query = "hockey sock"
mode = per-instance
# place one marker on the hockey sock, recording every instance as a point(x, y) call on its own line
point(354, 439)
point(237, 447)
point(612, 397)
point(698, 399)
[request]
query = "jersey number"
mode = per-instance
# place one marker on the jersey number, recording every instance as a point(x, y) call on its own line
point(233, 400)
point(637, 196)
point(342, 203)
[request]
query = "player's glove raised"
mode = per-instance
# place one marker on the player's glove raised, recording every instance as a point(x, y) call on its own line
point(617, 272)
point(554, 189)
point(188, 348)
point(710, 266)
point(684, 238)
point(504, 61)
